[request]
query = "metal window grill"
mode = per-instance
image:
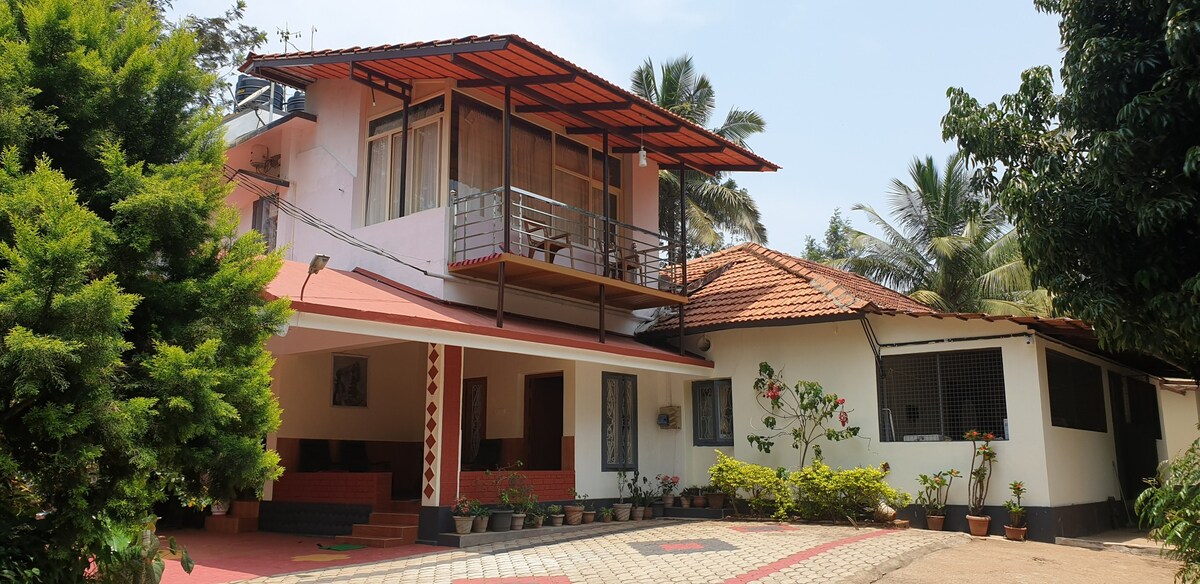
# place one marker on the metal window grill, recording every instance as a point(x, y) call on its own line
point(940, 396)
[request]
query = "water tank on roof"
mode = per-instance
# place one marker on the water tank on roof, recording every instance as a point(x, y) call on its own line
point(295, 103)
point(247, 85)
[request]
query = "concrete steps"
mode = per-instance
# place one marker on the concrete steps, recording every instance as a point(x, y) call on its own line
point(378, 542)
point(394, 519)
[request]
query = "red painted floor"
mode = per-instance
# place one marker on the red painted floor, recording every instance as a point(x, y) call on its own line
point(225, 558)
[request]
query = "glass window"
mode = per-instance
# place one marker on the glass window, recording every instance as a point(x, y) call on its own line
point(390, 192)
point(619, 422)
point(940, 396)
point(712, 407)
point(1076, 393)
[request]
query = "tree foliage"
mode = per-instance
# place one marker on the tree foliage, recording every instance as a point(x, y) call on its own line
point(132, 327)
point(803, 412)
point(838, 243)
point(1103, 180)
point(717, 208)
point(947, 246)
point(1171, 509)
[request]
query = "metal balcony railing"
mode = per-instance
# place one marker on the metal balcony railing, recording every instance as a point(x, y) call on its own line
point(544, 229)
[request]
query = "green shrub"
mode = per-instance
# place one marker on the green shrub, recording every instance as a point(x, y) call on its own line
point(1171, 508)
point(826, 493)
point(759, 485)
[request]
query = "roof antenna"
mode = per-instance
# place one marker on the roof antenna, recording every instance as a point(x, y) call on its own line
point(286, 36)
point(312, 37)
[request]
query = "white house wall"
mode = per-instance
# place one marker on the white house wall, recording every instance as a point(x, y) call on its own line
point(1180, 414)
point(837, 355)
point(506, 373)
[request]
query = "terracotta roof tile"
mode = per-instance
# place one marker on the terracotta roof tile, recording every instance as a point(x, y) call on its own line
point(751, 283)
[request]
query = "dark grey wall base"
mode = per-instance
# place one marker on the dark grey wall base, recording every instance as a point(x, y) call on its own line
point(433, 522)
point(326, 519)
point(1045, 523)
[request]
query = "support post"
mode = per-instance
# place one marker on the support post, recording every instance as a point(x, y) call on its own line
point(507, 202)
point(603, 309)
point(606, 234)
point(403, 163)
point(443, 416)
point(682, 248)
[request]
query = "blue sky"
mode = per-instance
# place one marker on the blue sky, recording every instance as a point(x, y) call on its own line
point(851, 91)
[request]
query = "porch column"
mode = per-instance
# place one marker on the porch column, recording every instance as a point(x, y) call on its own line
point(443, 401)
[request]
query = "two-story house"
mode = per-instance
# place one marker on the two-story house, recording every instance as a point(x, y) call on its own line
point(490, 217)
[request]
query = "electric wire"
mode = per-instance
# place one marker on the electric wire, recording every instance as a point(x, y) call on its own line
point(307, 218)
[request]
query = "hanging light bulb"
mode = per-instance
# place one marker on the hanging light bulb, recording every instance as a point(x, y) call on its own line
point(642, 150)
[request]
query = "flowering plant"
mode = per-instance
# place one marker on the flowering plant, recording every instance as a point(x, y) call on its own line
point(983, 457)
point(464, 507)
point(667, 483)
point(936, 490)
point(1016, 513)
point(804, 412)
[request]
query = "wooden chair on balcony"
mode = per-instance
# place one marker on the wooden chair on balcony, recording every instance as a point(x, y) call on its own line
point(626, 265)
point(540, 238)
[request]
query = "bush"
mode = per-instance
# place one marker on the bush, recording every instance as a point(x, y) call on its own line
point(1171, 507)
point(825, 493)
point(759, 485)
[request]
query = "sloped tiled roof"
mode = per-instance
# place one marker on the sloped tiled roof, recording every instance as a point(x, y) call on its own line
point(750, 283)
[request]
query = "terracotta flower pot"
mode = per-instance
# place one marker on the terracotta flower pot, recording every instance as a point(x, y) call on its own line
point(1015, 533)
point(462, 525)
point(606, 519)
point(621, 511)
point(588, 517)
point(637, 513)
point(574, 514)
point(699, 501)
point(518, 521)
point(935, 522)
point(668, 500)
point(979, 524)
point(716, 500)
point(479, 524)
point(685, 501)
point(535, 521)
point(556, 520)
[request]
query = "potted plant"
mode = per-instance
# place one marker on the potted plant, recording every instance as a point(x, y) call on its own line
point(668, 484)
point(716, 497)
point(479, 524)
point(574, 513)
point(535, 515)
point(935, 490)
point(556, 515)
point(983, 457)
point(699, 500)
point(1016, 513)
point(685, 497)
point(589, 515)
point(511, 490)
point(621, 509)
point(464, 512)
point(606, 514)
point(641, 498)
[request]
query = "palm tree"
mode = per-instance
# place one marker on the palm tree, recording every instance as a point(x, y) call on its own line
point(715, 204)
point(949, 248)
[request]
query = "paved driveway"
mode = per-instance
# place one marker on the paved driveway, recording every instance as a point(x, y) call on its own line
point(659, 551)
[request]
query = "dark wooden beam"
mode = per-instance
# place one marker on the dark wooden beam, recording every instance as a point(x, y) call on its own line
point(627, 130)
point(530, 80)
point(380, 82)
point(538, 108)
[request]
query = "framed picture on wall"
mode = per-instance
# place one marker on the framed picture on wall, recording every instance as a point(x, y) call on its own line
point(349, 380)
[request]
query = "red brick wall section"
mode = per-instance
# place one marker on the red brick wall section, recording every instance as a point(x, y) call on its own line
point(369, 488)
point(548, 485)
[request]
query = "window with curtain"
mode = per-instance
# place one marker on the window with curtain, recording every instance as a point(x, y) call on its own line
point(619, 421)
point(712, 413)
point(391, 193)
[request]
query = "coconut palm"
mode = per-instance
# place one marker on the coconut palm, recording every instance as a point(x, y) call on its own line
point(715, 204)
point(947, 246)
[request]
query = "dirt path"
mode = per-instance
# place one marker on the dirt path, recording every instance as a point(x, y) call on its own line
point(998, 561)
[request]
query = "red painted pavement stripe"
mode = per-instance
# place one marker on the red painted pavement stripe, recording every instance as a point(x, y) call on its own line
point(800, 556)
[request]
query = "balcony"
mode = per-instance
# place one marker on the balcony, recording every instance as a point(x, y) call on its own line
point(549, 246)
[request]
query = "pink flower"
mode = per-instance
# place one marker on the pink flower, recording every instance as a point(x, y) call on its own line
point(841, 400)
point(844, 418)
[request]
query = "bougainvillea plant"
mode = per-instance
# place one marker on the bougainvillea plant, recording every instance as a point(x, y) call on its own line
point(983, 456)
point(803, 411)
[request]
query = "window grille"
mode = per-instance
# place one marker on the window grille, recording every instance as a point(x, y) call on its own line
point(1076, 393)
point(619, 424)
point(941, 396)
point(712, 407)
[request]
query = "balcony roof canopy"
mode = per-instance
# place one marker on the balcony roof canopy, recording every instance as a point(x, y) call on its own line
point(541, 82)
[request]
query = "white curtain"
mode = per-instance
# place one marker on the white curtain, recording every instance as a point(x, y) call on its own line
point(377, 181)
point(422, 192)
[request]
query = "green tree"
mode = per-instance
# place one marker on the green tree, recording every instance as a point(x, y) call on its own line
point(717, 208)
point(132, 327)
point(949, 247)
point(1103, 180)
point(838, 243)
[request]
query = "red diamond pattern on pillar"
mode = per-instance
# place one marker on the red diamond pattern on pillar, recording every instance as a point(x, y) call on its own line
point(433, 354)
point(430, 441)
point(431, 408)
point(429, 474)
point(433, 371)
point(432, 389)
point(428, 491)
point(430, 425)
point(430, 458)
